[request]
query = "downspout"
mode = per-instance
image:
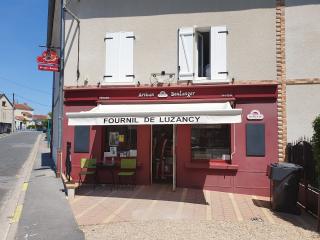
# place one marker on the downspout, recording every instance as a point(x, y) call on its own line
point(64, 9)
point(61, 80)
point(51, 10)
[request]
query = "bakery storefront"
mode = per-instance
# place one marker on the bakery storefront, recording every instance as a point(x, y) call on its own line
point(212, 137)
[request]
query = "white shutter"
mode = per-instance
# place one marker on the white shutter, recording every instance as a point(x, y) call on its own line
point(126, 57)
point(186, 53)
point(119, 58)
point(219, 53)
point(112, 41)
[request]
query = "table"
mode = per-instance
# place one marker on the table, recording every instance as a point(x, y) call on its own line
point(109, 167)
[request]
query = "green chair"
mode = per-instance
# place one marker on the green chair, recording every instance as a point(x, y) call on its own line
point(88, 167)
point(128, 169)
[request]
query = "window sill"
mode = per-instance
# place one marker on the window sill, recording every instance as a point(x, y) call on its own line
point(118, 84)
point(210, 81)
point(215, 165)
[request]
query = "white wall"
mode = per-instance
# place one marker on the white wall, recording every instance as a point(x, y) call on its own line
point(302, 39)
point(251, 43)
point(302, 108)
point(5, 112)
point(302, 62)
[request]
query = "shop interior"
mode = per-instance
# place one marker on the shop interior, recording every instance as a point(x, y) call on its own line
point(121, 142)
point(162, 154)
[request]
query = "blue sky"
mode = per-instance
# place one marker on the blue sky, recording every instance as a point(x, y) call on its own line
point(23, 26)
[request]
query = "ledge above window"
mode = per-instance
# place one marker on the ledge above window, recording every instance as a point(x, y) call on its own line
point(210, 81)
point(214, 165)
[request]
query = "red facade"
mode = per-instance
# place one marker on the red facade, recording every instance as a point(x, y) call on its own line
point(243, 174)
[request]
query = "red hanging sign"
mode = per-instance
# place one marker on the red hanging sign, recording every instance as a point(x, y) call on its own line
point(51, 68)
point(48, 61)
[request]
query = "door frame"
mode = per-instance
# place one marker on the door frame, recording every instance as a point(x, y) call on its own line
point(174, 161)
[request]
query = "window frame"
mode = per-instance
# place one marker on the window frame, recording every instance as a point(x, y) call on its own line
point(195, 59)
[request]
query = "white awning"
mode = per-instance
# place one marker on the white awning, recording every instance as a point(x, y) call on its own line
point(149, 114)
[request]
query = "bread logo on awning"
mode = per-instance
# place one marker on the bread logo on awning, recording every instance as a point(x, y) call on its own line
point(162, 94)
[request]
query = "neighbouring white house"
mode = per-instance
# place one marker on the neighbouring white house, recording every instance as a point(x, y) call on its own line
point(23, 115)
point(6, 114)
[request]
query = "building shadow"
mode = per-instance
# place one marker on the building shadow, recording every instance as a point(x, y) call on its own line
point(158, 192)
point(46, 162)
point(303, 220)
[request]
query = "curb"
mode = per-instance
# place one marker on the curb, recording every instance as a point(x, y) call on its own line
point(15, 207)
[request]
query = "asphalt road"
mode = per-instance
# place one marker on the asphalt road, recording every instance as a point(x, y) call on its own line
point(14, 151)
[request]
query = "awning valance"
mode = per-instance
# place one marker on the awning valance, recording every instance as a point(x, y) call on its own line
point(148, 114)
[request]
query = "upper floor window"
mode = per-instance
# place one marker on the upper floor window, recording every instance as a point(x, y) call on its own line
point(203, 54)
point(119, 58)
point(4, 104)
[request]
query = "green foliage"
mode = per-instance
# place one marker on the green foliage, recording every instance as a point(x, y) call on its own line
point(44, 123)
point(316, 147)
point(31, 127)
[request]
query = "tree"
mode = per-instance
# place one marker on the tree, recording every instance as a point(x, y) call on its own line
point(316, 147)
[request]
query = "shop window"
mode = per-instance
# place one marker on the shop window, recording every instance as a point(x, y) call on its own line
point(202, 55)
point(121, 141)
point(210, 142)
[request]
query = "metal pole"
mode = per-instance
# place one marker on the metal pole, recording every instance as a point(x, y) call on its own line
point(151, 153)
point(174, 167)
point(61, 80)
point(13, 121)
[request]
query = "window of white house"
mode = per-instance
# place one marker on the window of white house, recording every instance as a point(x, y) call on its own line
point(210, 142)
point(119, 58)
point(203, 54)
point(4, 104)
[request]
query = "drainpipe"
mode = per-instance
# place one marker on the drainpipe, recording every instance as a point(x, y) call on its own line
point(61, 81)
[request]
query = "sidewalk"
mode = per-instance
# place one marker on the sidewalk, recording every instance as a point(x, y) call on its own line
point(46, 213)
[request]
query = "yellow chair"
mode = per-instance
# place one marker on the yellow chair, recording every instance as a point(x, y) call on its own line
point(128, 169)
point(88, 167)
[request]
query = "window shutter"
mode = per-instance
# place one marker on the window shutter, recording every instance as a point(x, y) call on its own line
point(186, 53)
point(119, 57)
point(126, 57)
point(219, 53)
point(112, 41)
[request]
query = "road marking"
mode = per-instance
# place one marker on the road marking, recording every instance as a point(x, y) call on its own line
point(182, 202)
point(207, 195)
point(119, 209)
point(235, 207)
point(264, 210)
point(17, 214)
point(25, 186)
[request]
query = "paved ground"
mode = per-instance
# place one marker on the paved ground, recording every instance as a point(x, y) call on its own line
point(46, 212)
point(14, 151)
point(155, 212)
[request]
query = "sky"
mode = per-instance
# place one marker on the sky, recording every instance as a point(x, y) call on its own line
point(23, 28)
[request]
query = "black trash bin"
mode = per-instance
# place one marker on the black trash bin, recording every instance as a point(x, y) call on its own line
point(285, 186)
